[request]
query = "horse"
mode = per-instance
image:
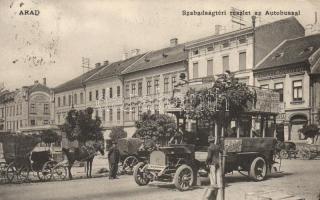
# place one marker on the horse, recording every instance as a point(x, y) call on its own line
point(84, 153)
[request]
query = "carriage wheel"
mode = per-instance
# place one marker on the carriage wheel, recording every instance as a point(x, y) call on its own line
point(305, 154)
point(129, 163)
point(59, 172)
point(12, 173)
point(283, 154)
point(23, 174)
point(3, 169)
point(46, 172)
point(183, 178)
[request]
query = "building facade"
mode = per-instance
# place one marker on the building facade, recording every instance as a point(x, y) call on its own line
point(148, 83)
point(100, 88)
point(29, 106)
point(238, 51)
point(292, 69)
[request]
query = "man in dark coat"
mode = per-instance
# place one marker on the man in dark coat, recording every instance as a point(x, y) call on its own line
point(113, 157)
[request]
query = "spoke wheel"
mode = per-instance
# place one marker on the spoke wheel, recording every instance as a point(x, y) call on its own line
point(46, 172)
point(12, 173)
point(283, 154)
point(183, 178)
point(139, 175)
point(59, 172)
point(305, 154)
point(258, 169)
point(23, 174)
point(129, 163)
point(3, 168)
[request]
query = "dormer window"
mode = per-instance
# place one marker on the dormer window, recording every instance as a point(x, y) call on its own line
point(278, 55)
point(306, 50)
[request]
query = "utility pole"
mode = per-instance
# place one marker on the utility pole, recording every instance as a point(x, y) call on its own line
point(85, 65)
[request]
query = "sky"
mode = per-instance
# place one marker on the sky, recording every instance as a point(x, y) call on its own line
point(53, 43)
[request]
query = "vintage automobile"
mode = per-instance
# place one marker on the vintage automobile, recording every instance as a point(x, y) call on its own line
point(181, 164)
point(244, 150)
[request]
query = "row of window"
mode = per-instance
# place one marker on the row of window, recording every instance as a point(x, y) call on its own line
point(15, 125)
point(297, 90)
point(223, 45)
point(33, 109)
point(75, 100)
point(13, 110)
point(225, 64)
point(72, 100)
point(103, 94)
point(136, 88)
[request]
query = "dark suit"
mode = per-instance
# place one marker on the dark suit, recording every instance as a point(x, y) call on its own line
point(113, 157)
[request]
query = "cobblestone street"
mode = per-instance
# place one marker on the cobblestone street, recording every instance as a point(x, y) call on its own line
point(300, 177)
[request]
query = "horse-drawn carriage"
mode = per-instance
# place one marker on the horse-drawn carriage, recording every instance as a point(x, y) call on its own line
point(21, 159)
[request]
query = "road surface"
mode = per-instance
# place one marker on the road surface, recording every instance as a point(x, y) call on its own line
point(300, 178)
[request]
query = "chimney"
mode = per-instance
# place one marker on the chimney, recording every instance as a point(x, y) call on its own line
point(36, 82)
point(44, 82)
point(173, 42)
point(98, 64)
point(125, 56)
point(135, 52)
point(217, 29)
point(106, 63)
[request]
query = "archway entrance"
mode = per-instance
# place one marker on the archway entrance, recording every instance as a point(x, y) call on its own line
point(296, 123)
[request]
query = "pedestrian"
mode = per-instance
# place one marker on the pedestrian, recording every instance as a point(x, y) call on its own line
point(113, 158)
point(214, 165)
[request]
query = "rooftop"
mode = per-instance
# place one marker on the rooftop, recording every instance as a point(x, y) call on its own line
point(160, 57)
point(292, 51)
point(271, 25)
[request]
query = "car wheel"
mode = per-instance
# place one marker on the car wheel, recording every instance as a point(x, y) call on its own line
point(183, 178)
point(139, 175)
point(258, 169)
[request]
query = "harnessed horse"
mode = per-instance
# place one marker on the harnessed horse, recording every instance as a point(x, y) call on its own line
point(84, 153)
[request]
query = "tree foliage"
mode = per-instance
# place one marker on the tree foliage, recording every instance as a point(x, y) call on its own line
point(49, 136)
point(117, 132)
point(155, 126)
point(310, 131)
point(81, 126)
point(226, 94)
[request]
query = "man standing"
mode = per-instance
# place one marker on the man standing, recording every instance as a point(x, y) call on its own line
point(113, 157)
point(214, 164)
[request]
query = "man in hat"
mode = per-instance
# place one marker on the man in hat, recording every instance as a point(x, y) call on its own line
point(113, 158)
point(213, 160)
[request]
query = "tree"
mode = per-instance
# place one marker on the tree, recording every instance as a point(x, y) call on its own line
point(81, 126)
point(226, 94)
point(159, 127)
point(49, 136)
point(117, 133)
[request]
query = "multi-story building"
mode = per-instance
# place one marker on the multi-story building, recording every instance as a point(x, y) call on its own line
point(149, 82)
point(29, 106)
point(100, 88)
point(238, 51)
point(293, 69)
